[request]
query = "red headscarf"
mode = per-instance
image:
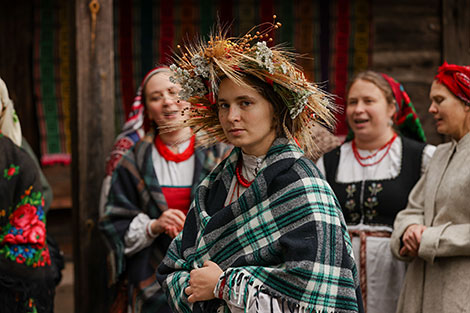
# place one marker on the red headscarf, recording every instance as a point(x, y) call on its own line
point(457, 79)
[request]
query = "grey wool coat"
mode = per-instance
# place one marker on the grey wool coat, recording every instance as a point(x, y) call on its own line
point(438, 280)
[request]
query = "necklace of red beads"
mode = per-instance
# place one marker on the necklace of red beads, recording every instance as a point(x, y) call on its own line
point(240, 180)
point(360, 158)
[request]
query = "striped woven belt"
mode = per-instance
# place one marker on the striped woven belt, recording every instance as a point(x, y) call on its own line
point(362, 257)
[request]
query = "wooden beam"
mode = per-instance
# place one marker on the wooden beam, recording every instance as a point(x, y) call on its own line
point(456, 31)
point(93, 131)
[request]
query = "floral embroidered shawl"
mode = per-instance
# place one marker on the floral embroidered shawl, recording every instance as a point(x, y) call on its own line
point(26, 283)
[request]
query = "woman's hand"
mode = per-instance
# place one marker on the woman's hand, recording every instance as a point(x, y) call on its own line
point(170, 222)
point(203, 281)
point(412, 239)
point(172, 231)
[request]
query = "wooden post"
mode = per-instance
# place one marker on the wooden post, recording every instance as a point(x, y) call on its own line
point(93, 134)
point(456, 31)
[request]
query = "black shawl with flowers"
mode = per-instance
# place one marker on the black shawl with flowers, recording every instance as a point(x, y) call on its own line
point(26, 283)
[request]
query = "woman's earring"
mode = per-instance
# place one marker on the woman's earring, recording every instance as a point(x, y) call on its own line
point(390, 122)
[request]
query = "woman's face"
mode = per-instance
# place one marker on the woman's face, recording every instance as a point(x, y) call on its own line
point(367, 110)
point(161, 100)
point(246, 118)
point(450, 113)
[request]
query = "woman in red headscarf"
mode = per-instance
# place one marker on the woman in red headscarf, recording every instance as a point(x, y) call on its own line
point(372, 175)
point(433, 233)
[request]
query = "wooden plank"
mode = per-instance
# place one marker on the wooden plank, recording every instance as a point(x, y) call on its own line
point(59, 177)
point(393, 33)
point(407, 45)
point(93, 137)
point(456, 32)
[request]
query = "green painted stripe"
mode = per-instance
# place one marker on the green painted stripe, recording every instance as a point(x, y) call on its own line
point(316, 42)
point(206, 13)
point(47, 78)
point(286, 17)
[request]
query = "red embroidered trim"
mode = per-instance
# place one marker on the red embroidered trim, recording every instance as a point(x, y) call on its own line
point(170, 155)
point(358, 157)
point(242, 180)
point(221, 288)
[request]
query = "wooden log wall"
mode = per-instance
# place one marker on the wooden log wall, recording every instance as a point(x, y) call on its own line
point(456, 31)
point(407, 46)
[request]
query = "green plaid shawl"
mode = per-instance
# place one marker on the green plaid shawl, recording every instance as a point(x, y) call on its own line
point(285, 236)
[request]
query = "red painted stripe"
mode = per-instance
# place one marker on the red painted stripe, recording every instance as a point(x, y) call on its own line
point(341, 63)
point(226, 13)
point(125, 55)
point(167, 30)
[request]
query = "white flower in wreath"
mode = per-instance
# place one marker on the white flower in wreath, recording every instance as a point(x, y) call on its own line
point(284, 68)
point(190, 86)
point(300, 103)
point(201, 66)
point(264, 55)
point(179, 75)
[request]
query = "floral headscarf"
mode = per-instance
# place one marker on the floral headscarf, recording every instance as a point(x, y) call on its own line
point(405, 117)
point(9, 122)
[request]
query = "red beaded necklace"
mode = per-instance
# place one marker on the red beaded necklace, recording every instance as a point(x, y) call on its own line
point(241, 180)
point(169, 155)
point(359, 158)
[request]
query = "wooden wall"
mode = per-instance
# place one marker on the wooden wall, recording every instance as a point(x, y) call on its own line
point(408, 46)
point(456, 31)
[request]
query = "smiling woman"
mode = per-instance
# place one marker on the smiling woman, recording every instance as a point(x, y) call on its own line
point(152, 185)
point(372, 175)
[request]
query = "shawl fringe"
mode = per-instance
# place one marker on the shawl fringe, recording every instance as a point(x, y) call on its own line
point(238, 292)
